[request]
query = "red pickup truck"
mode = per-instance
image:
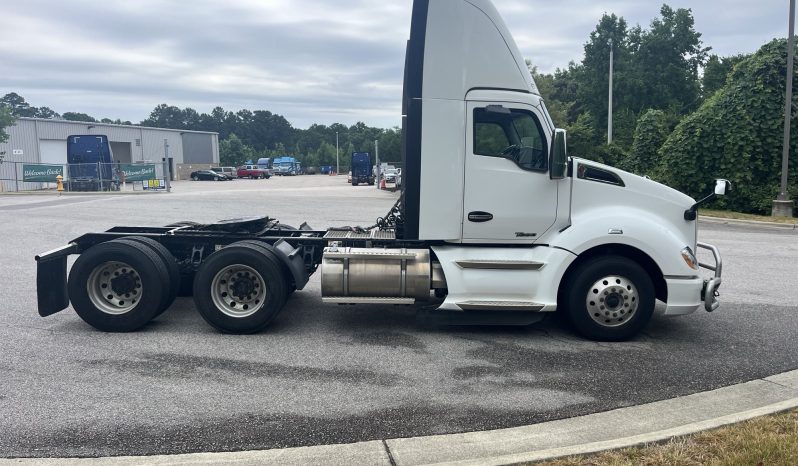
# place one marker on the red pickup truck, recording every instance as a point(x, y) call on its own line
point(253, 171)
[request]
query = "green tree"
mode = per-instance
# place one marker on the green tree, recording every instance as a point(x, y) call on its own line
point(593, 75)
point(77, 116)
point(17, 105)
point(716, 71)
point(736, 134)
point(667, 59)
point(233, 152)
point(581, 134)
point(165, 116)
point(6, 120)
point(652, 130)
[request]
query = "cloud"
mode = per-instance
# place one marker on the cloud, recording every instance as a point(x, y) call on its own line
point(313, 61)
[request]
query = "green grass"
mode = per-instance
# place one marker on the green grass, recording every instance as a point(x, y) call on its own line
point(741, 216)
point(766, 441)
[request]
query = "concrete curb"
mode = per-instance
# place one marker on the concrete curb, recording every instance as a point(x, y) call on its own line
point(580, 435)
point(733, 221)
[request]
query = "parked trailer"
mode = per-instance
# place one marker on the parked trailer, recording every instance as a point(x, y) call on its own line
point(500, 229)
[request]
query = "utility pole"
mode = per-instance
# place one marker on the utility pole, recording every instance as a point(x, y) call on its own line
point(783, 206)
point(167, 173)
point(336, 154)
point(377, 158)
point(609, 112)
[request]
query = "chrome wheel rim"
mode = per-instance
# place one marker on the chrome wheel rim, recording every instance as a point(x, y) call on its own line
point(612, 301)
point(238, 291)
point(114, 288)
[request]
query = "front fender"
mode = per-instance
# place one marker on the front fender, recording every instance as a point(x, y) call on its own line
point(636, 228)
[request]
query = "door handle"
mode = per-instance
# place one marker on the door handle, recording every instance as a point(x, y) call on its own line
point(480, 217)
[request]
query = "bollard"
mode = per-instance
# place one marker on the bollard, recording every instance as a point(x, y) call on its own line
point(60, 180)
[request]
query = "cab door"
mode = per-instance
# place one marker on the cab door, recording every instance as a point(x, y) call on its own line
point(508, 197)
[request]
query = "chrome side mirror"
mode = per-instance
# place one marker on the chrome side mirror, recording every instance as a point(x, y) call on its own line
point(722, 187)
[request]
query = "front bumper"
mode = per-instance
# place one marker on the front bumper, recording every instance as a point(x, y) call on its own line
point(686, 295)
point(710, 292)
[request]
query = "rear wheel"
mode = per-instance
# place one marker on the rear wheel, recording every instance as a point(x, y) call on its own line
point(265, 248)
point(240, 289)
point(609, 298)
point(195, 178)
point(173, 285)
point(117, 286)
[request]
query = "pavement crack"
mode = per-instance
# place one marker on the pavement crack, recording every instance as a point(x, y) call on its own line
point(388, 452)
point(782, 385)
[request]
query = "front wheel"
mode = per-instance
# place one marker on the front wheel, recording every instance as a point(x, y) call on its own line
point(609, 298)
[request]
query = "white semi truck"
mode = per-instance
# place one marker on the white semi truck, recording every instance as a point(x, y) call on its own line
point(494, 225)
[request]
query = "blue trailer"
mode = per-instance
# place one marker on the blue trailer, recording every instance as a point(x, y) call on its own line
point(90, 164)
point(362, 168)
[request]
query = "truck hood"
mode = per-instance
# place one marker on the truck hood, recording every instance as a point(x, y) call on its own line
point(636, 192)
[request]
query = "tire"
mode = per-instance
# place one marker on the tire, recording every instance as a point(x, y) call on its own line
point(216, 178)
point(268, 176)
point(263, 289)
point(289, 282)
point(602, 293)
point(261, 176)
point(195, 178)
point(171, 267)
point(354, 183)
point(138, 269)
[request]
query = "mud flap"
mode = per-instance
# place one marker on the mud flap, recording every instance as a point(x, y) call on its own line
point(292, 258)
point(51, 285)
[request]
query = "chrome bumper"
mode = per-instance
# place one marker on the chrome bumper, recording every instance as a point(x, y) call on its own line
point(710, 292)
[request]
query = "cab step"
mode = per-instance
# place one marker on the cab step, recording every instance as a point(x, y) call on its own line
point(500, 306)
point(366, 300)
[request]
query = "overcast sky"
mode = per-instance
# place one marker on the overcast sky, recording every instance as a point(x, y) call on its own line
point(313, 61)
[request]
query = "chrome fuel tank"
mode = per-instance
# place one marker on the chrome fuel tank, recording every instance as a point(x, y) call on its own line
point(375, 273)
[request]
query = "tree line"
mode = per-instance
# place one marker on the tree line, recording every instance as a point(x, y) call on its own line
point(245, 135)
point(680, 114)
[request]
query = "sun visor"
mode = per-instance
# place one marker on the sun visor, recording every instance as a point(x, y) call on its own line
point(468, 47)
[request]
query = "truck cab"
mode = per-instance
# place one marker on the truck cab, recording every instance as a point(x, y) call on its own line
point(362, 171)
point(91, 164)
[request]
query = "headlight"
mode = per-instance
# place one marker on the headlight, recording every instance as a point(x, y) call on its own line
point(689, 258)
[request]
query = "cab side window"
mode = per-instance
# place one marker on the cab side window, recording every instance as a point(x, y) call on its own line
point(512, 134)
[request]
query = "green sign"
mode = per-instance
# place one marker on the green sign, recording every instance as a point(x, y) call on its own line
point(44, 173)
point(138, 172)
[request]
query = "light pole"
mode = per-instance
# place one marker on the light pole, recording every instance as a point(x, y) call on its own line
point(336, 153)
point(783, 206)
point(609, 107)
point(377, 158)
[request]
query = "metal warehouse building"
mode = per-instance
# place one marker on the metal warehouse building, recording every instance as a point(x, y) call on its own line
point(36, 140)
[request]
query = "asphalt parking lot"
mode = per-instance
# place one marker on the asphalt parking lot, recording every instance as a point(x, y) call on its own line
point(326, 374)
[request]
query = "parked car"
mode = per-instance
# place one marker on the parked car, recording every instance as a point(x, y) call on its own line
point(209, 175)
point(254, 171)
point(391, 175)
point(232, 172)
